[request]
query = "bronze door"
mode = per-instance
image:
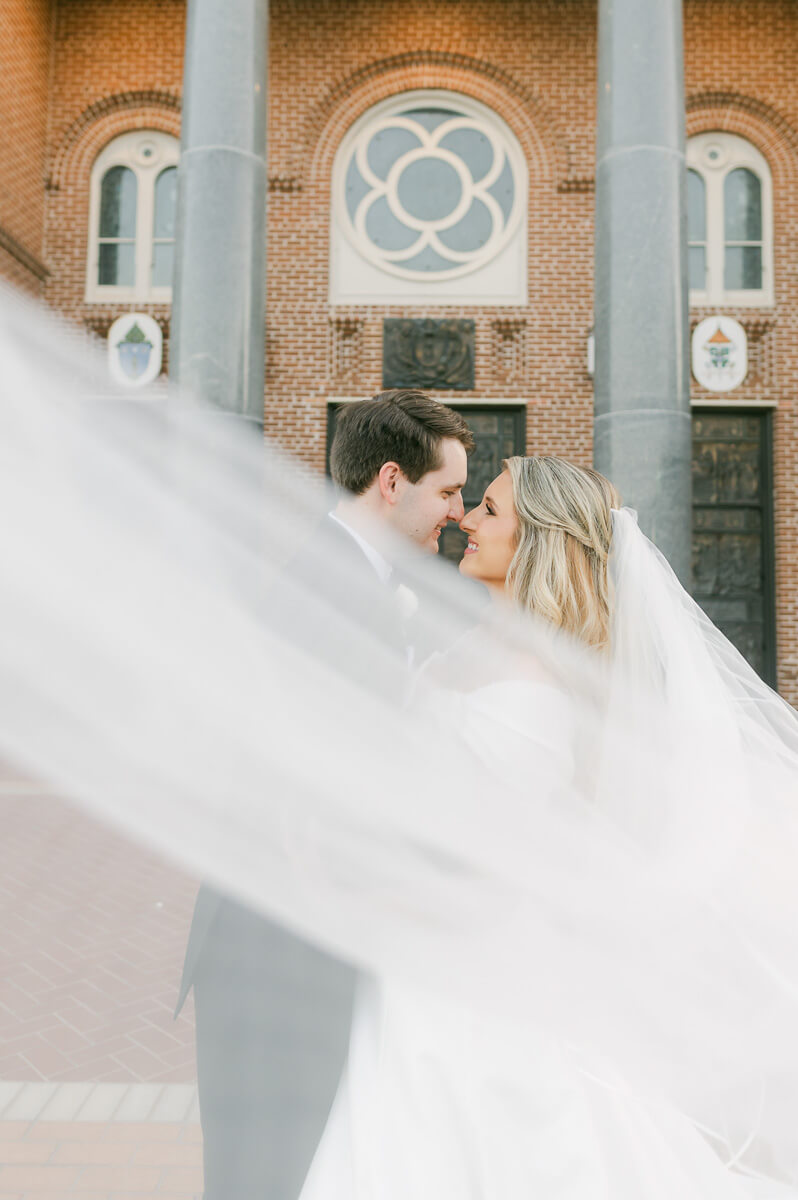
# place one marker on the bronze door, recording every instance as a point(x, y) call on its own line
point(733, 557)
point(499, 433)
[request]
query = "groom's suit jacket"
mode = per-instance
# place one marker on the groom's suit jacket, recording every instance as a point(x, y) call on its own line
point(274, 1012)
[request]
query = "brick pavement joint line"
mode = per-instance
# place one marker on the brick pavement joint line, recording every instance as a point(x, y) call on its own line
point(82, 1102)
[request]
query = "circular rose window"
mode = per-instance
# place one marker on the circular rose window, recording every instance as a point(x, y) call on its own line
point(430, 191)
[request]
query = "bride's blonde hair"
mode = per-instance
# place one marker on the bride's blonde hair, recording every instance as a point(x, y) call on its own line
point(560, 568)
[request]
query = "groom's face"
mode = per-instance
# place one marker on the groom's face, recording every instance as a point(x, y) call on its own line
point(423, 509)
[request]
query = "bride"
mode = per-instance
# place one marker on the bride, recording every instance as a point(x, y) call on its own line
point(438, 1101)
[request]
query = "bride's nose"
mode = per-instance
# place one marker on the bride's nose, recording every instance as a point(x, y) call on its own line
point(467, 524)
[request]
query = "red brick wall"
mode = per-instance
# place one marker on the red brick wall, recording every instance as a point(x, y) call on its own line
point(25, 28)
point(117, 66)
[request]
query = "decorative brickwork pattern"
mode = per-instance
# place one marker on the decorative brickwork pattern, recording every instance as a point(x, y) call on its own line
point(509, 350)
point(346, 344)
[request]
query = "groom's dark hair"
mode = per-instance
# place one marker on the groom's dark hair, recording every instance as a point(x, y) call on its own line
point(404, 426)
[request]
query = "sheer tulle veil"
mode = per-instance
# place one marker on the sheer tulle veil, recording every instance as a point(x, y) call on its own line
point(637, 896)
point(732, 782)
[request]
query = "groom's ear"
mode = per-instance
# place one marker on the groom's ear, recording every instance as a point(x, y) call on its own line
point(391, 479)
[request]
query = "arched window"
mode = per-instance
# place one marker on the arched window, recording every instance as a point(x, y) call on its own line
point(429, 205)
point(729, 221)
point(132, 218)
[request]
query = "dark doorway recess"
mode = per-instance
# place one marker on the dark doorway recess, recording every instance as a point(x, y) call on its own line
point(733, 551)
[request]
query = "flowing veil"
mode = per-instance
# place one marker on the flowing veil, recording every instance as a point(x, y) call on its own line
point(637, 897)
point(734, 761)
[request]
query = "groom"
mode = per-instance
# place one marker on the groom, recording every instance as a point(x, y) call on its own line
point(273, 1012)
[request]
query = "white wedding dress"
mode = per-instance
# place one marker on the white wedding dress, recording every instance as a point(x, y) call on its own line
point(441, 1102)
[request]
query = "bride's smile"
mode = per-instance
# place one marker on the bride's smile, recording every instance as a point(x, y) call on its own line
point(492, 529)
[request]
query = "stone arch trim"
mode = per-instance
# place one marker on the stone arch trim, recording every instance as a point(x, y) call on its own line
point(100, 122)
point(546, 149)
point(761, 124)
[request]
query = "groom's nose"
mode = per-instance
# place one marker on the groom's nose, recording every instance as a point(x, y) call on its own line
point(457, 508)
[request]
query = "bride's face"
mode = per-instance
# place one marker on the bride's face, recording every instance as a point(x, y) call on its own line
point(492, 529)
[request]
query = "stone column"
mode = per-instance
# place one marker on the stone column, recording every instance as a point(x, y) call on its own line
point(642, 381)
point(218, 308)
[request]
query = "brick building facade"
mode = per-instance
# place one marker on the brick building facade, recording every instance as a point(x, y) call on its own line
point(79, 73)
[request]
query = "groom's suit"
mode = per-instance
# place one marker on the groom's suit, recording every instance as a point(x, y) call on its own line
point(273, 1012)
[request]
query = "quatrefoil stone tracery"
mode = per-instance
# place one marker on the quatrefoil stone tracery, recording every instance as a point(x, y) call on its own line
point(412, 208)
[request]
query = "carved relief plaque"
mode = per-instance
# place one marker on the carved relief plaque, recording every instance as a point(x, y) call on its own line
point(428, 353)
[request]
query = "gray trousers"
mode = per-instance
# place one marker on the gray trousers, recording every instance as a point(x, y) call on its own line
point(273, 1021)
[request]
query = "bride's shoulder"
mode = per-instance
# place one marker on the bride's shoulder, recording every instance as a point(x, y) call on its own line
point(484, 671)
point(503, 703)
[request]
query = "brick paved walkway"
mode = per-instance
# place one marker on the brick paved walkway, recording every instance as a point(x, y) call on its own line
point(92, 943)
point(97, 1095)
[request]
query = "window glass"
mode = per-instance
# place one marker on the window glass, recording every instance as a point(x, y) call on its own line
point(473, 147)
point(743, 268)
point(742, 201)
point(696, 208)
point(118, 204)
point(163, 263)
point(132, 213)
point(472, 231)
point(742, 196)
point(729, 221)
point(429, 191)
point(117, 257)
point(697, 267)
point(387, 231)
point(117, 264)
point(165, 203)
point(387, 146)
point(503, 190)
point(429, 205)
point(431, 117)
point(163, 248)
point(696, 231)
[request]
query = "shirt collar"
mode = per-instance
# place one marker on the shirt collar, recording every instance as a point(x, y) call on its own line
point(378, 561)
